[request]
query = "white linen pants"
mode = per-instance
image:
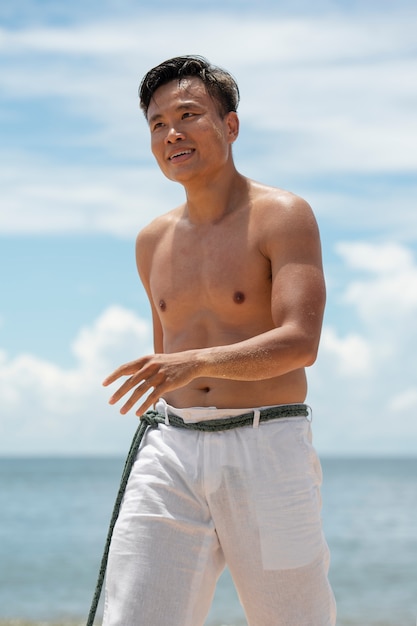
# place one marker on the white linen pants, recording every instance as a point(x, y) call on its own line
point(195, 501)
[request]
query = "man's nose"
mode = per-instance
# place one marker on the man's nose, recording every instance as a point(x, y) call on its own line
point(173, 135)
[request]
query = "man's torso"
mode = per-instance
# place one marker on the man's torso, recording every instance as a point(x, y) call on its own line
point(211, 285)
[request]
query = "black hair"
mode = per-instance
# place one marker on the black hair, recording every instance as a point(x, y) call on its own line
point(221, 85)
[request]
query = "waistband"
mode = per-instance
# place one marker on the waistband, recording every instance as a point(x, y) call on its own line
point(212, 418)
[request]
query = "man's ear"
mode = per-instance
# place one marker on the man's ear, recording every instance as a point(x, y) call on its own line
point(232, 121)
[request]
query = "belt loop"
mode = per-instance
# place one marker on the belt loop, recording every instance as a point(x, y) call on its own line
point(256, 417)
point(166, 415)
point(310, 413)
point(162, 407)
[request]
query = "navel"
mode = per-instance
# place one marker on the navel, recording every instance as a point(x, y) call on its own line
point(162, 305)
point(239, 297)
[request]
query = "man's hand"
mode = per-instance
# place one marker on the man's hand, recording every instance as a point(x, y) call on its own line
point(158, 372)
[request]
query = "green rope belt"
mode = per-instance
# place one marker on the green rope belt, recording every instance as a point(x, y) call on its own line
point(152, 419)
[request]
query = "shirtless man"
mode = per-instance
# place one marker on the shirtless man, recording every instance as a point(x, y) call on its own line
point(235, 283)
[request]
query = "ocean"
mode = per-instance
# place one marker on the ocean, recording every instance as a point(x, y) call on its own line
point(54, 515)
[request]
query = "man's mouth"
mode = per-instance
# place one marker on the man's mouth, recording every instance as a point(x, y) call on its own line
point(179, 154)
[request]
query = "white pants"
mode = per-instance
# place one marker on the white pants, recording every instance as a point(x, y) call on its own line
point(195, 501)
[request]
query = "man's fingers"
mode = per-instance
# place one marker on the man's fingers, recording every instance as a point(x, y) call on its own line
point(148, 376)
point(114, 376)
point(118, 374)
point(136, 395)
point(124, 370)
point(151, 399)
point(131, 382)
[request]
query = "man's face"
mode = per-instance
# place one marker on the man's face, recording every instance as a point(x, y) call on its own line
point(189, 137)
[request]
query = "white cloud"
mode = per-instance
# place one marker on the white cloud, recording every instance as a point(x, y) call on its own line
point(48, 409)
point(387, 290)
point(359, 404)
point(344, 83)
point(92, 39)
point(115, 334)
point(72, 199)
point(351, 354)
point(405, 401)
point(387, 258)
point(345, 37)
point(363, 386)
point(320, 97)
point(384, 207)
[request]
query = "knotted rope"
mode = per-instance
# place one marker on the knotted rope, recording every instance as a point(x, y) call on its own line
point(152, 419)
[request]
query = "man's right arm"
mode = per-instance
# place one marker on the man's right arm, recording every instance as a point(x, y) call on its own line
point(145, 246)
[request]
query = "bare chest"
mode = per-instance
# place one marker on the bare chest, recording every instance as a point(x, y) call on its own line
point(223, 272)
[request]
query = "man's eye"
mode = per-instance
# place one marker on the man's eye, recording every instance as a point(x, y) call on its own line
point(188, 114)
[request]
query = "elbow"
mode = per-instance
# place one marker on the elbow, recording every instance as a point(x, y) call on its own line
point(309, 351)
point(310, 359)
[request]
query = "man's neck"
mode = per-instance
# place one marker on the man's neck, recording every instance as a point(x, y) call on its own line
point(210, 203)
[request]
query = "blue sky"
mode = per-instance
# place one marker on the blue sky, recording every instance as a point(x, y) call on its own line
point(328, 110)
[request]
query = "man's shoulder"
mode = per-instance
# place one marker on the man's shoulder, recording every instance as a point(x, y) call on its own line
point(275, 196)
point(279, 205)
point(159, 225)
point(281, 218)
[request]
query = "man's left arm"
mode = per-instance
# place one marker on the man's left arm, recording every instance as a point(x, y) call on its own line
point(292, 244)
point(297, 305)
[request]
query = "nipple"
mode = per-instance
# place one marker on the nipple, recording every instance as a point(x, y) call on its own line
point(239, 297)
point(162, 305)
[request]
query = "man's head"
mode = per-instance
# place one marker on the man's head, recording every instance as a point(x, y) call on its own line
point(219, 84)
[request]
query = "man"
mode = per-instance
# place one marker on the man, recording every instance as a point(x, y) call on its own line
point(235, 283)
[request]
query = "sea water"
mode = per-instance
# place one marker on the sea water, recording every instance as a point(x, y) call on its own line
point(54, 515)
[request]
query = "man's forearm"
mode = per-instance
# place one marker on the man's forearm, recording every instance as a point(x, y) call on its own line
point(273, 353)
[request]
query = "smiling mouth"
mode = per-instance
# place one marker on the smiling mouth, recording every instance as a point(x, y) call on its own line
point(179, 154)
